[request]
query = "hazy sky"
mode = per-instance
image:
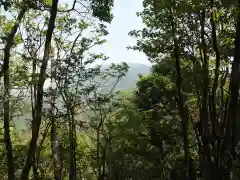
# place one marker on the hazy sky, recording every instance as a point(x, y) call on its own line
point(125, 20)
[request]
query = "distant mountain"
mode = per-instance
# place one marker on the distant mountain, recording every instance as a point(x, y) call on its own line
point(129, 81)
point(132, 77)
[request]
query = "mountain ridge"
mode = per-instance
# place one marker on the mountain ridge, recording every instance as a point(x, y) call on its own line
point(132, 76)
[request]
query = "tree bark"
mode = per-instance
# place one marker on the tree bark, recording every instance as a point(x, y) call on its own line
point(39, 101)
point(6, 118)
point(230, 121)
point(204, 130)
point(72, 139)
point(33, 101)
point(213, 113)
point(183, 110)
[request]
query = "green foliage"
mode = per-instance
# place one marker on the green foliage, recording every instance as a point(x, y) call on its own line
point(102, 9)
point(100, 132)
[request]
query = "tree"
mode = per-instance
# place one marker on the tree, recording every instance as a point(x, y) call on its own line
point(37, 80)
point(197, 35)
point(7, 138)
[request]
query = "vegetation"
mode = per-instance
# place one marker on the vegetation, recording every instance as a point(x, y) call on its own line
point(179, 122)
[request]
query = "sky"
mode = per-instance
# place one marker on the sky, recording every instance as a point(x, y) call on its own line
point(124, 21)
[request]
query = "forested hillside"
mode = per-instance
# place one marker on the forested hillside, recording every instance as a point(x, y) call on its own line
point(127, 82)
point(64, 116)
point(130, 79)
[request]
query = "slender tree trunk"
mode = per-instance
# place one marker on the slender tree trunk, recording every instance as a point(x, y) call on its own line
point(39, 101)
point(39, 148)
point(72, 136)
point(99, 128)
point(98, 154)
point(54, 134)
point(6, 118)
point(72, 139)
point(204, 130)
point(35, 167)
point(104, 161)
point(213, 114)
point(55, 150)
point(103, 164)
point(216, 147)
point(33, 101)
point(181, 99)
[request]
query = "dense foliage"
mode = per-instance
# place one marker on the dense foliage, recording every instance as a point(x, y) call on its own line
point(62, 117)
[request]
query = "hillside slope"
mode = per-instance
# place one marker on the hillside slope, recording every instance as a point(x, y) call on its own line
point(129, 81)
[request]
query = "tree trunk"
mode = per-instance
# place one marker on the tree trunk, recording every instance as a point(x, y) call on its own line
point(55, 150)
point(38, 105)
point(183, 110)
point(72, 139)
point(35, 167)
point(103, 163)
point(230, 136)
point(204, 130)
point(54, 134)
point(33, 101)
point(6, 118)
point(218, 163)
point(213, 113)
point(98, 155)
